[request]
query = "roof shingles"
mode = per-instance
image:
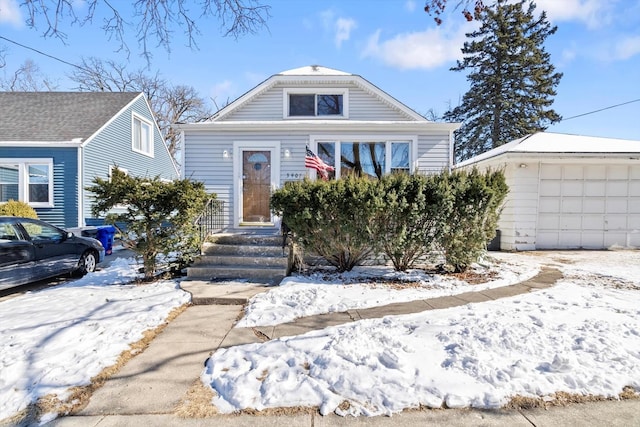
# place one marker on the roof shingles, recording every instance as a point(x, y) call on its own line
point(57, 116)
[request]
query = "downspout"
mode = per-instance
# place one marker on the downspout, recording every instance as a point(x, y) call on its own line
point(80, 187)
point(451, 147)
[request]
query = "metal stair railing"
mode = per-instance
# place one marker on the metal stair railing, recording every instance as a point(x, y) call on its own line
point(212, 219)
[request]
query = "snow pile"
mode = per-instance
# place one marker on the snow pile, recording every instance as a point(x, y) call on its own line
point(62, 336)
point(568, 338)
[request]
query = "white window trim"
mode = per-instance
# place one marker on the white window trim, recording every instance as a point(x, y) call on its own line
point(387, 139)
point(134, 117)
point(126, 172)
point(316, 91)
point(23, 179)
point(121, 169)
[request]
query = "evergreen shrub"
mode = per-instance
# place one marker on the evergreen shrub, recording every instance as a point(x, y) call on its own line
point(406, 217)
point(472, 215)
point(334, 219)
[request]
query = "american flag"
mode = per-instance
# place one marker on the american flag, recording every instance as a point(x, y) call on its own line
point(314, 162)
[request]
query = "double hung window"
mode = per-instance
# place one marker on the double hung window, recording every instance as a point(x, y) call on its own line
point(27, 180)
point(142, 136)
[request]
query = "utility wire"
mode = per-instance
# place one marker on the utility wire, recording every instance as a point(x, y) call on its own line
point(601, 109)
point(42, 53)
point(84, 69)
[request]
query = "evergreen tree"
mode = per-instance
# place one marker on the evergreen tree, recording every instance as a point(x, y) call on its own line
point(512, 79)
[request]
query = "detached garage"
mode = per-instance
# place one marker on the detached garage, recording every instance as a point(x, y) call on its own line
point(567, 191)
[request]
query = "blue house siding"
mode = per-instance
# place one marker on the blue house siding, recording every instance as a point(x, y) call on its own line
point(113, 146)
point(65, 182)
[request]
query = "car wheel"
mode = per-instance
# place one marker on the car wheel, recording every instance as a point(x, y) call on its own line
point(87, 263)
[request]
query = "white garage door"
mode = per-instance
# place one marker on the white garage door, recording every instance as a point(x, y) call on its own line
point(588, 206)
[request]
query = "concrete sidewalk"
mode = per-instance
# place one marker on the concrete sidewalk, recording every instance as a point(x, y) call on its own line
point(149, 387)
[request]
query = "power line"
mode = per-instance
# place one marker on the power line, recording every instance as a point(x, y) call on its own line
point(601, 109)
point(42, 53)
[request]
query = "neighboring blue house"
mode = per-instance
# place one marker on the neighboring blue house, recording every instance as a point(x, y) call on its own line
point(53, 144)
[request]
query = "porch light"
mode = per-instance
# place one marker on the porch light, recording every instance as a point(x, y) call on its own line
point(287, 154)
point(225, 154)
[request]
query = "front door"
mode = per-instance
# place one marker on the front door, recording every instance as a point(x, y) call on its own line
point(258, 164)
point(256, 186)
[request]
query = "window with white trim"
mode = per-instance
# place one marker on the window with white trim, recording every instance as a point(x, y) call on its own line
point(369, 157)
point(321, 103)
point(142, 141)
point(121, 169)
point(27, 180)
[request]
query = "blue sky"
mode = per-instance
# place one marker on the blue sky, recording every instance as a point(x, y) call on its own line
point(391, 43)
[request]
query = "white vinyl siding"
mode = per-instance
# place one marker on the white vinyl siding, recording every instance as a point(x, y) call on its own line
point(362, 105)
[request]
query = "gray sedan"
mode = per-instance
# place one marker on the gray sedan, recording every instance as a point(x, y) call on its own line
point(32, 250)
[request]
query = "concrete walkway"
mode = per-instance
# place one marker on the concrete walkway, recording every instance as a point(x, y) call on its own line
point(149, 387)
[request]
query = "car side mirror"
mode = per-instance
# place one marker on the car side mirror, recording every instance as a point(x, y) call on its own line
point(69, 235)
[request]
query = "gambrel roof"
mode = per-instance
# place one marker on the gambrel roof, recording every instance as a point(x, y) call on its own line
point(316, 74)
point(58, 116)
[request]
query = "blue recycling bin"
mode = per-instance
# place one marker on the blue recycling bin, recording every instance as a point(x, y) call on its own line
point(105, 235)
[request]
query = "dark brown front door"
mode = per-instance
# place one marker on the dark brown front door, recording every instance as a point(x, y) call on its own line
point(256, 186)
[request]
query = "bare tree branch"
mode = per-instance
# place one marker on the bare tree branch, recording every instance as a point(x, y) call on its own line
point(436, 8)
point(27, 78)
point(152, 19)
point(170, 104)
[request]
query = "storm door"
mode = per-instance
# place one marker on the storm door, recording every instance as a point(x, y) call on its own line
point(256, 186)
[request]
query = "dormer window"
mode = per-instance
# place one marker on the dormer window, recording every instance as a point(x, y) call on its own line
point(316, 103)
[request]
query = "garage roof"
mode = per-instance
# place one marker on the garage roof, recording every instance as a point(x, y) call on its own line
point(548, 142)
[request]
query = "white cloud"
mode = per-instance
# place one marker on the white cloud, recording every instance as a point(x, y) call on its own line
point(410, 5)
point(343, 27)
point(327, 18)
point(594, 13)
point(420, 50)
point(339, 27)
point(627, 47)
point(10, 13)
point(222, 92)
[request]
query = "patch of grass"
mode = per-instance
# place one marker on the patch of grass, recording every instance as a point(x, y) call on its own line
point(562, 398)
point(295, 410)
point(197, 402)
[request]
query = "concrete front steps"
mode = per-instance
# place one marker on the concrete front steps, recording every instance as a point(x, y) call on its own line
point(244, 257)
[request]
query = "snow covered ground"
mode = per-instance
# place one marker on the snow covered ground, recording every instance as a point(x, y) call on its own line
point(60, 337)
point(581, 336)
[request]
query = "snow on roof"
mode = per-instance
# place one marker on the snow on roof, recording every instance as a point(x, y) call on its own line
point(548, 142)
point(314, 70)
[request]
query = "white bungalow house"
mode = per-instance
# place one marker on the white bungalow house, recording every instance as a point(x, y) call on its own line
point(258, 142)
point(567, 191)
